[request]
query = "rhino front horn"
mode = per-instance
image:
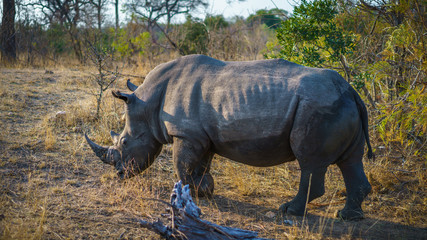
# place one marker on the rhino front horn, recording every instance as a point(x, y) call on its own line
point(101, 152)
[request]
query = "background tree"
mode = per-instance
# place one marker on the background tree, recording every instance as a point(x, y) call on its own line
point(312, 37)
point(127, 43)
point(97, 8)
point(67, 14)
point(380, 47)
point(103, 62)
point(272, 18)
point(116, 11)
point(215, 22)
point(403, 27)
point(151, 12)
point(8, 41)
point(194, 38)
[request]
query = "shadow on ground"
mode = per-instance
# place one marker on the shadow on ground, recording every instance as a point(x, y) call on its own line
point(368, 228)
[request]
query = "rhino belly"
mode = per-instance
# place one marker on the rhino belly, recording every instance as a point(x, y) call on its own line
point(257, 133)
point(259, 152)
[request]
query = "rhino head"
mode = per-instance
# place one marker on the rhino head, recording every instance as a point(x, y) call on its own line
point(135, 149)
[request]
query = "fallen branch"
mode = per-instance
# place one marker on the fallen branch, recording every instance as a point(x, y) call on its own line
point(186, 222)
point(327, 204)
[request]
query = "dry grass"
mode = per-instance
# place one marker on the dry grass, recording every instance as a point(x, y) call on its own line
point(53, 187)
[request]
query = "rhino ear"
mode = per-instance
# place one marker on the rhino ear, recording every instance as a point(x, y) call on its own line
point(131, 86)
point(123, 96)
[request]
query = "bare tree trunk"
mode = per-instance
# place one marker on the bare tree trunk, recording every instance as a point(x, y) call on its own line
point(30, 48)
point(8, 42)
point(74, 32)
point(76, 44)
point(99, 8)
point(116, 7)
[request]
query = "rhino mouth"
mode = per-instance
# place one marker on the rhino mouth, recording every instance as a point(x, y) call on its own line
point(129, 170)
point(121, 174)
point(125, 174)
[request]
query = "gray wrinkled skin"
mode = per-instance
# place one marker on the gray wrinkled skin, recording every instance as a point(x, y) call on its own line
point(260, 113)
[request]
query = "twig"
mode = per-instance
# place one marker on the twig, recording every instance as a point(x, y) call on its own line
point(375, 223)
point(396, 177)
point(327, 204)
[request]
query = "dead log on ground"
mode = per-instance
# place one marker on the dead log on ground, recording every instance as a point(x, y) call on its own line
point(186, 222)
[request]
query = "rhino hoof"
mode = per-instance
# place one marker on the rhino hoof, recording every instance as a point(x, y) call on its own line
point(202, 192)
point(289, 208)
point(350, 215)
point(205, 186)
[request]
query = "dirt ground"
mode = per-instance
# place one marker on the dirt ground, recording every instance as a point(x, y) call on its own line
point(53, 187)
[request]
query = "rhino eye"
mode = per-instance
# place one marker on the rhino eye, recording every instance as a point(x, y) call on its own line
point(124, 141)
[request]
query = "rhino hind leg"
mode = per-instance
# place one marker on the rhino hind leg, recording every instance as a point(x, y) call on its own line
point(356, 182)
point(316, 187)
point(357, 186)
point(192, 166)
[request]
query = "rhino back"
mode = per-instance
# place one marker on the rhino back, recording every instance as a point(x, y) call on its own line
point(229, 103)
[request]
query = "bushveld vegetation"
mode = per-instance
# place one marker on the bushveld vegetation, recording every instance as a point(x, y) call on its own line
point(55, 87)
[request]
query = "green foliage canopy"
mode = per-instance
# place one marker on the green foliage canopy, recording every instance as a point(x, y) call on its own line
point(272, 18)
point(215, 22)
point(126, 45)
point(58, 42)
point(311, 36)
point(196, 38)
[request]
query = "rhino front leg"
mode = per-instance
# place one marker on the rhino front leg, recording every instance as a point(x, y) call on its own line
point(192, 164)
point(317, 189)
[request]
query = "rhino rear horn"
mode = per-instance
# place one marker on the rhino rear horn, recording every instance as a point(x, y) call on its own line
point(101, 152)
point(123, 96)
point(131, 86)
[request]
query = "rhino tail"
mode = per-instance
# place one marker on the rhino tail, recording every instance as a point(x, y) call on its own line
point(364, 117)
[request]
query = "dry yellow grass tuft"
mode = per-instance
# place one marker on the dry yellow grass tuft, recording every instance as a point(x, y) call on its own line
point(50, 139)
point(52, 186)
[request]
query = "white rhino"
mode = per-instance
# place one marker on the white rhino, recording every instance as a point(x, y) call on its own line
point(260, 113)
